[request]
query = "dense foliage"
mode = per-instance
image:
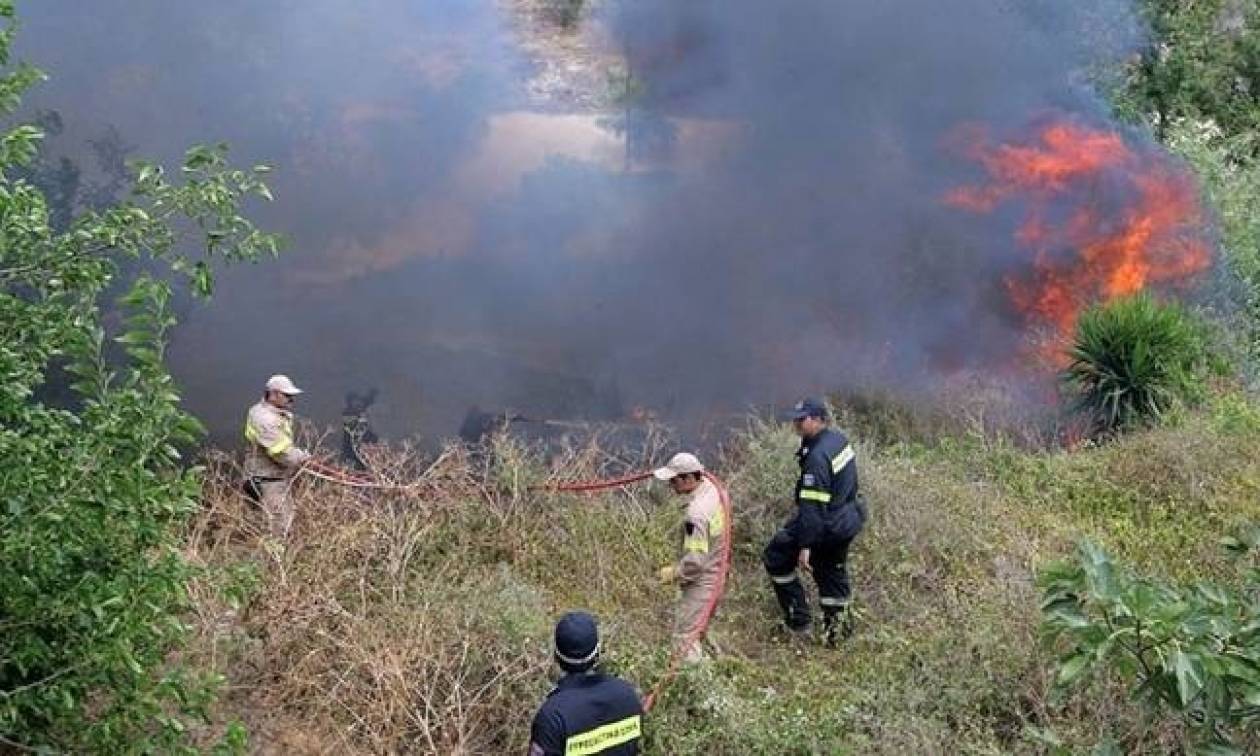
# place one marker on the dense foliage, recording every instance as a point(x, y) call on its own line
point(1193, 651)
point(1228, 167)
point(1196, 83)
point(1201, 62)
point(92, 484)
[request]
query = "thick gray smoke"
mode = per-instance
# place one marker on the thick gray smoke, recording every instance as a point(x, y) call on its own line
point(760, 217)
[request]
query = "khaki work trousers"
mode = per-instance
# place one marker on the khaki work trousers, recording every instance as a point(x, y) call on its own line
point(690, 613)
point(278, 504)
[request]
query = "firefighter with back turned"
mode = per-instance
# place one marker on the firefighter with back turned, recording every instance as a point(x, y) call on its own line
point(588, 712)
point(829, 515)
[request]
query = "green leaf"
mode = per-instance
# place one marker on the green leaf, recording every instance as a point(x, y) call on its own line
point(1189, 675)
point(1074, 668)
point(202, 279)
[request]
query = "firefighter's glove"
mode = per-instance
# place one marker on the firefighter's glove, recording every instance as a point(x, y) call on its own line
point(668, 575)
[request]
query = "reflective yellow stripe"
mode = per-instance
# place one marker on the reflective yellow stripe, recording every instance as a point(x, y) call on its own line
point(280, 447)
point(696, 545)
point(811, 495)
point(717, 523)
point(843, 458)
point(603, 738)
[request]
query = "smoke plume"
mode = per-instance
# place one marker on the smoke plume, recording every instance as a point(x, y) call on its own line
point(758, 215)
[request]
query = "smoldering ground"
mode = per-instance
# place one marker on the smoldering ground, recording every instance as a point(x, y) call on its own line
point(756, 214)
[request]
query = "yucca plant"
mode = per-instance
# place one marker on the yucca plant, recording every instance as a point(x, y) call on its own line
point(1132, 360)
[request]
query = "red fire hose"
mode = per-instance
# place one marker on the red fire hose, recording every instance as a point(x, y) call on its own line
point(595, 485)
point(696, 633)
point(317, 469)
point(347, 478)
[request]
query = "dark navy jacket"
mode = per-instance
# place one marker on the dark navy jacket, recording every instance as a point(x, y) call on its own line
point(826, 490)
point(588, 713)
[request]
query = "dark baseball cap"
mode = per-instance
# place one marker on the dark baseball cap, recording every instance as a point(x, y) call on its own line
point(577, 641)
point(809, 407)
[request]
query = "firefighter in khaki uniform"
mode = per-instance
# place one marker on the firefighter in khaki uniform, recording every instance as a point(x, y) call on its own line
point(271, 459)
point(697, 569)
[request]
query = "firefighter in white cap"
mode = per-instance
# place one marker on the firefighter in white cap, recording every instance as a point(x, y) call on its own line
point(696, 572)
point(272, 459)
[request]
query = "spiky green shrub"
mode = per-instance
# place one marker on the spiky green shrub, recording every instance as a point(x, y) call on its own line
point(1134, 359)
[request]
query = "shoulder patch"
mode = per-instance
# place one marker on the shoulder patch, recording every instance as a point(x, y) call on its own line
point(807, 479)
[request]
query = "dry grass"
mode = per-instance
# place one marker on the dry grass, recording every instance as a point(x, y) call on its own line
point(418, 622)
point(405, 621)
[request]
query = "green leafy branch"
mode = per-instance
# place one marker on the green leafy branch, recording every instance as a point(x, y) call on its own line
point(1192, 651)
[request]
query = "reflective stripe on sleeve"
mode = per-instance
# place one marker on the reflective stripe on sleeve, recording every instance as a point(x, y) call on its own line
point(252, 435)
point(809, 494)
point(842, 459)
point(603, 738)
point(717, 523)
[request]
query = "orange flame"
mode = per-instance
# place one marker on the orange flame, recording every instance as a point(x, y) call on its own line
point(1081, 252)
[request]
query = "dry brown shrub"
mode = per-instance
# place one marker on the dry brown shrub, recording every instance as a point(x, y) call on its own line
point(417, 620)
point(355, 640)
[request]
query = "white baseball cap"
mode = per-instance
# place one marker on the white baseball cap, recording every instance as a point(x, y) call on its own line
point(679, 464)
point(282, 384)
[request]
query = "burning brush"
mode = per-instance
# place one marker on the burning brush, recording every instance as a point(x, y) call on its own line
point(1101, 220)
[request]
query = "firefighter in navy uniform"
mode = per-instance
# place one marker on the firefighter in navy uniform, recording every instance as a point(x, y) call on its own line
point(829, 516)
point(588, 712)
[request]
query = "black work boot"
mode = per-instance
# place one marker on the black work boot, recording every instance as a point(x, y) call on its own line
point(797, 624)
point(792, 601)
point(837, 626)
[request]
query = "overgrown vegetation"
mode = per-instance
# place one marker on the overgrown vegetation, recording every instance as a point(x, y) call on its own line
point(1228, 167)
point(421, 620)
point(92, 584)
point(418, 620)
point(1202, 63)
point(1196, 85)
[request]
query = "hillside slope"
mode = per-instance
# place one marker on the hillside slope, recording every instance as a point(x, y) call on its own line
point(420, 622)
